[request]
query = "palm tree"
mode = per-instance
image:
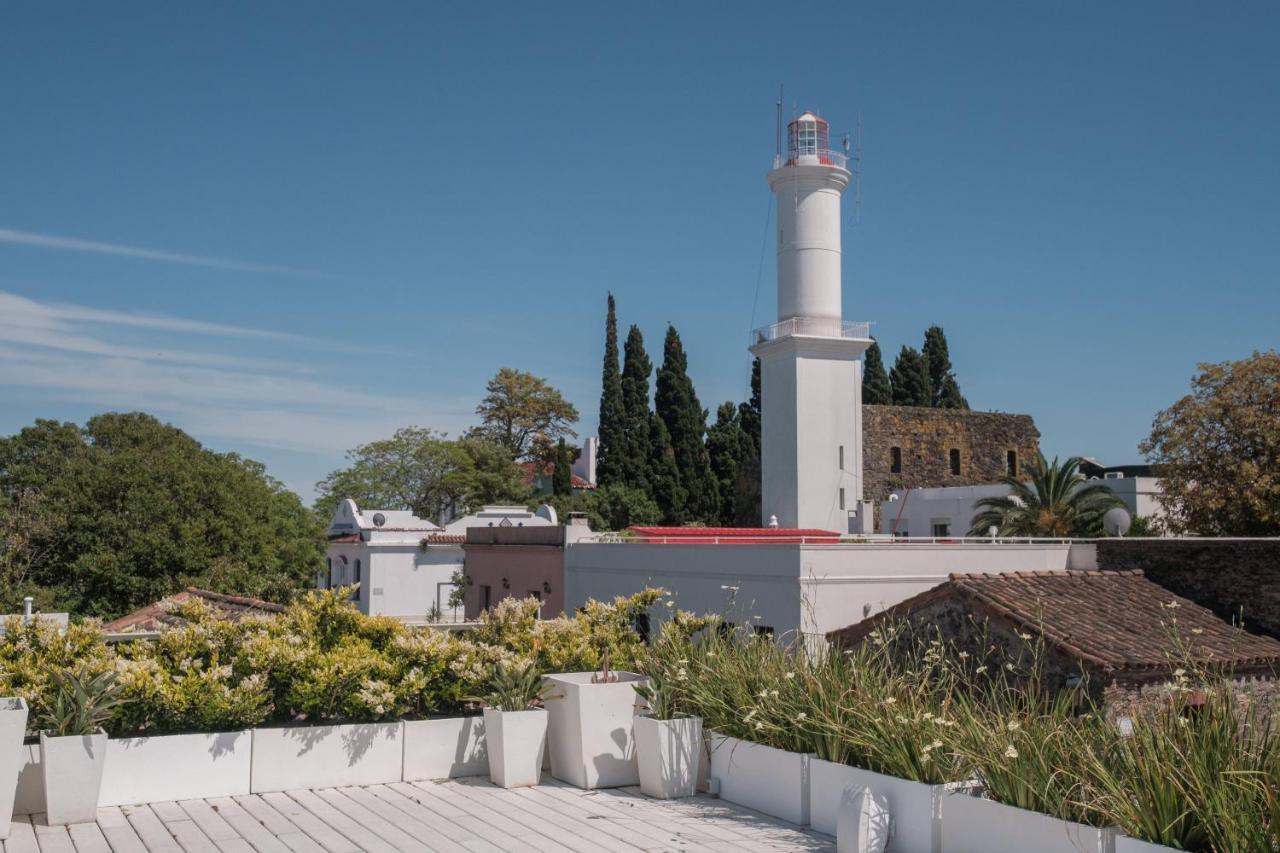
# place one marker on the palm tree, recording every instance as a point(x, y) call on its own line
point(1058, 501)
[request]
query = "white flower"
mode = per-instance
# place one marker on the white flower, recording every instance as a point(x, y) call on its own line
point(773, 693)
point(963, 656)
point(1025, 636)
point(1009, 667)
point(670, 603)
point(759, 726)
point(789, 675)
point(1179, 672)
point(981, 669)
point(1013, 725)
point(801, 717)
point(891, 700)
point(681, 674)
point(764, 694)
point(1197, 630)
point(1011, 752)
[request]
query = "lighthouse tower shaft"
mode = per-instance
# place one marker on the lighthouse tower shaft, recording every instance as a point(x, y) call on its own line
point(810, 360)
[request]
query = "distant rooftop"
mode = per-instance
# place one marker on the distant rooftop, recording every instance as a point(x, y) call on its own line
point(158, 616)
point(732, 535)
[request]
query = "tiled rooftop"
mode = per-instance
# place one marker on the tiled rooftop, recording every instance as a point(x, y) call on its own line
point(463, 815)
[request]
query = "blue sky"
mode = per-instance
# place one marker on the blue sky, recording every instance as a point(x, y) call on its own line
point(292, 228)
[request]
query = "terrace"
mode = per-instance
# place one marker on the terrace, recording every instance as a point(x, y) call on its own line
point(467, 814)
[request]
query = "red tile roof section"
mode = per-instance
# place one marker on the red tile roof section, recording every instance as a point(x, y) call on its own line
point(733, 535)
point(1120, 621)
point(156, 617)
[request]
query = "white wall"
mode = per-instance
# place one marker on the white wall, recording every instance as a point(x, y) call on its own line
point(399, 579)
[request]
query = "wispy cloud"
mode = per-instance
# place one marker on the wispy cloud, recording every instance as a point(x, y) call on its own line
point(72, 244)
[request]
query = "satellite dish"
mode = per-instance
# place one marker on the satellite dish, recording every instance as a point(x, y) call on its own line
point(1116, 521)
point(379, 519)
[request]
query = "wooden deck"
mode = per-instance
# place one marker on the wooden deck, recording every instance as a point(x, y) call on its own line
point(465, 815)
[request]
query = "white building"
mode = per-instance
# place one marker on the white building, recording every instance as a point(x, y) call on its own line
point(404, 565)
point(810, 367)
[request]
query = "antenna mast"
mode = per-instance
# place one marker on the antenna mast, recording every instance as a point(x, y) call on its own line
point(778, 155)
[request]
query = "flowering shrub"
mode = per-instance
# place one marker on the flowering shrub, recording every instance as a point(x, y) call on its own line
point(319, 661)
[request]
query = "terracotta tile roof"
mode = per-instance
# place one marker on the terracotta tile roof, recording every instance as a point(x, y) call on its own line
point(546, 469)
point(1119, 621)
point(346, 537)
point(733, 535)
point(446, 539)
point(156, 617)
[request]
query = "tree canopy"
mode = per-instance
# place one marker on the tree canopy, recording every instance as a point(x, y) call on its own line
point(612, 460)
point(910, 379)
point(1054, 500)
point(676, 405)
point(876, 390)
point(111, 516)
point(636, 369)
point(944, 388)
point(1217, 450)
point(524, 414)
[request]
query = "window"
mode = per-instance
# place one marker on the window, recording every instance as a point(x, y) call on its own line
point(764, 630)
point(642, 626)
point(842, 457)
point(955, 461)
point(486, 593)
point(328, 575)
point(941, 527)
point(1011, 461)
point(842, 499)
point(901, 532)
point(895, 460)
point(357, 574)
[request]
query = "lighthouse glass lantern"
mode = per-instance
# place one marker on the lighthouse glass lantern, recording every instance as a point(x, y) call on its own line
point(808, 140)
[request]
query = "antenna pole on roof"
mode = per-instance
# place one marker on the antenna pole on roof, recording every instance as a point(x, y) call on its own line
point(779, 111)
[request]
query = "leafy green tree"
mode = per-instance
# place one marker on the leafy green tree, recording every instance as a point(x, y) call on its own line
point(561, 479)
point(664, 481)
point(942, 380)
point(728, 448)
point(612, 507)
point(910, 379)
point(494, 477)
point(1217, 450)
point(524, 414)
point(612, 454)
point(876, 390)
point(127, 510)
point(636, 368)
point(30, 527)
point(677, 406)
point(746, 492)
point(1057, 500)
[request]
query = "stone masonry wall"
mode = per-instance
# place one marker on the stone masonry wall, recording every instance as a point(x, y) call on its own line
point(1228, 576)
point(926, 438)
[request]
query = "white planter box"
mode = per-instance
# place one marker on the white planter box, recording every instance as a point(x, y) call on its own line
point(910, 803)
point(72, 776)
point(176, 767)
point(29, 796)
point(443, 749)
point(591, 731)
point(975, 825)
point(13, 729)
point(326, 756)
point(516, 740)
point(768, 780)
point(668, 753)
point(1125, 844)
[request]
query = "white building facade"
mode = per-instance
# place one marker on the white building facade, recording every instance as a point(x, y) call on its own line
point(810, 367)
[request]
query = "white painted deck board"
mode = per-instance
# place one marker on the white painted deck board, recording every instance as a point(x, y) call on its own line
point(456, 816)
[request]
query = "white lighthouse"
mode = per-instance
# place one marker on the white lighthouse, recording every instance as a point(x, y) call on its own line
point(810, 367)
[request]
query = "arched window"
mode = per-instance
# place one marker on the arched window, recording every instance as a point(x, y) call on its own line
point(895, 460)
point(356, 579)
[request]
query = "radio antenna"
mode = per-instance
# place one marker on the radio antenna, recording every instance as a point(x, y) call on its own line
point(778, 153)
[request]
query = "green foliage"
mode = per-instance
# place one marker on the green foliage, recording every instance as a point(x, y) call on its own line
point(520, 687)
point(561, 474)
point(611, 461)
point(676, 405)
point(523, 414)
point(664, 474)
point(1058, 501)
point(876, 390)
point(942, 380)
point(1217, 450)
point(614, 507)
point(731, 453)
point(79, 701)
point(636, 367)
point(910, 379)
point(106, 518)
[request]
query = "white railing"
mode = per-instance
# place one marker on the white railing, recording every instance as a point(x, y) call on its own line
point(819, 157)
point(818, 327)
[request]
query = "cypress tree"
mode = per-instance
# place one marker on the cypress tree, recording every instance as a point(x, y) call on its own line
point(876, 390)
point(636, 368)
point(664, 474)
point(943, 387)
point(749, 412)
point(561, 476)
point(676, 404)
point(746, 491)
point(613, 443)
point(910, 379)
point(726, 446)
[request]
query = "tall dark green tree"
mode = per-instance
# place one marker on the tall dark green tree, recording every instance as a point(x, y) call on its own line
point(727, 448)
point(876, 390)
point(676, 405)
point(943, 387)
point(636, 368)
point(746, 492)
point(749, 412)
point(561, 475)
point(910, 379)
point(664, 474)
point(612, 453)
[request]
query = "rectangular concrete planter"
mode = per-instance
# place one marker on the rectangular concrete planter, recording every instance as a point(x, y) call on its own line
point(443, 749)
point(72, 776)
point(591, 731)
point(13, 730)
point(911, 811)
point(1125, 844)
point(516, 740)
point(29, 796)
point(975, 825)
point(667, 753)
point(176, 767)
point(296, 757)
point(769, 780)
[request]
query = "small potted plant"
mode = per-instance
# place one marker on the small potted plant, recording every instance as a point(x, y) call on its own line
point(13, 728)
point(668, 743)
point(73, 744)
point(592, 736)
point(515, 724)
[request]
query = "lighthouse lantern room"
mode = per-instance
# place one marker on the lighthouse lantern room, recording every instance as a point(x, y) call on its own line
point(810, 360)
